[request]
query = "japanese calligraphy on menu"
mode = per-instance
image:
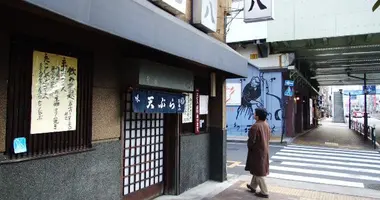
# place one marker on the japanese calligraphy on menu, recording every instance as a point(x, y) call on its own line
point(54, 93)
point(196, 112)
point(146, 101)
point(187, 116)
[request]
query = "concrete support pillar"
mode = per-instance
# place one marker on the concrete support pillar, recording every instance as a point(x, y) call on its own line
point(289, 119)
point(217, 108)
point(299, 115)
point(338, 108)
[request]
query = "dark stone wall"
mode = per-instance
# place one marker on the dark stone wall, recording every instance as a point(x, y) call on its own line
point(218, 154)
point(194, 160)
point(91, 175)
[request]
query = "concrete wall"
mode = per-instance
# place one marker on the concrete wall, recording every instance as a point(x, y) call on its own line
point(270, 62)
point(194, 160)
point(106, 97)
point(262, 89)
point(92, 175)
point(303, 19)
point(338, 115)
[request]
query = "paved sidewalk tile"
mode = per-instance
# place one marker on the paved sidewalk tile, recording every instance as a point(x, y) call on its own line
point(238, 191)
point(331, 134)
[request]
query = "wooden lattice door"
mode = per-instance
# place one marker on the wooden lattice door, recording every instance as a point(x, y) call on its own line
point(143, 153)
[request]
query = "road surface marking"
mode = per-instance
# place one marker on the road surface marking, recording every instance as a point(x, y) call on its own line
point(324, 173)
point(316, 180)
point(325, 161)
point(328, 157)
point(332, 144)
point(234, 164)
point(299, 164)
point(244, 164)
point(332, 154)
point(244, 185)
point(333, 151)
point(336, 149)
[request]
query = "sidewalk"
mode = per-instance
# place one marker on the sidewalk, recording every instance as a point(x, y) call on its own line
point(235, 188)
point(331, 134)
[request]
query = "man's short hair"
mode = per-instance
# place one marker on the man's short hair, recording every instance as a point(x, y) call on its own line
point(261, 113)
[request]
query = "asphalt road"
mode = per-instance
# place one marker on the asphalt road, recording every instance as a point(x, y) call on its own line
point(237, 152)
point(320, 165)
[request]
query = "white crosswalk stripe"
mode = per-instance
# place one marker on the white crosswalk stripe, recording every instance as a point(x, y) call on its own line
point(332, 166)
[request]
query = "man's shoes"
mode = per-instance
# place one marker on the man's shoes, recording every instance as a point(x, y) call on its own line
point(261, 195)
point(251, 189)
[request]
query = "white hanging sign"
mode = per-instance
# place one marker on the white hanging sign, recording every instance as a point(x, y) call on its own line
point(187, 115)
point(205, 14)
point(173, 6)
point(233, 94)
point(258, 10)
point(203, 104)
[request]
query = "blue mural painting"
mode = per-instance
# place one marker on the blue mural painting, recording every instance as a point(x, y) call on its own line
point(259, 90)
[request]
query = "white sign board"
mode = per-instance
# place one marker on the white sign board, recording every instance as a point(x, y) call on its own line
point(203, 104)
point(187, 115)
point(311, 111)
point(233, 94)
point(54, 93)
point(174, 6)
point(258, 10)
point(205, 14)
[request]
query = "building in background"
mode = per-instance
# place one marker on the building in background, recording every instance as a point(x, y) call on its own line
point(96, 97)
point(248, 34)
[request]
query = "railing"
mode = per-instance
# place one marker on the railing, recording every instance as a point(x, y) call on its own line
point(371, 131)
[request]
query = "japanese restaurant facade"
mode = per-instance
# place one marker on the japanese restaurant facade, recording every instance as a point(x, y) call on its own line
point(94, 104)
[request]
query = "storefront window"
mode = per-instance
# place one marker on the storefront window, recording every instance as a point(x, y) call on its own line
point(49, 103)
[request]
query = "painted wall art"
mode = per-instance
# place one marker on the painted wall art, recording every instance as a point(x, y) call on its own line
point(259, 90)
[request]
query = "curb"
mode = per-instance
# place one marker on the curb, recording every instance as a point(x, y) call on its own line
point(244, 141)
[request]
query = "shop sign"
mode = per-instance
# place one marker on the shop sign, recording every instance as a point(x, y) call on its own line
point(173, 6)
point(258, 10)
point(233, 94)
point(311, 111)
point(205, 14)
point(203, 104)
point(147, 101)
point(196, 112)
point(54, 93)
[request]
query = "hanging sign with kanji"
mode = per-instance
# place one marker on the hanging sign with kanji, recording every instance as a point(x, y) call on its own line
point(147, 101)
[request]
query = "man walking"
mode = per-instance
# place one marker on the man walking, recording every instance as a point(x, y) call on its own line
point(258, 153)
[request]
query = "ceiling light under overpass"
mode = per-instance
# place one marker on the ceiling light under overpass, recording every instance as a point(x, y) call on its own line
point(347, 60)
point(346, 47)
point(348, 53)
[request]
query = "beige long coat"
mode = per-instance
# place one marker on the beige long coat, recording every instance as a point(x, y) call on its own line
point(258, 149)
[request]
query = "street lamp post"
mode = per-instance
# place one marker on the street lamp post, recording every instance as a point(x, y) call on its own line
point(365, 108)
point(349, 110)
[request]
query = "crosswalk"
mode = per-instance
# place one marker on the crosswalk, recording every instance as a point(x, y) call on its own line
point(341, 167)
